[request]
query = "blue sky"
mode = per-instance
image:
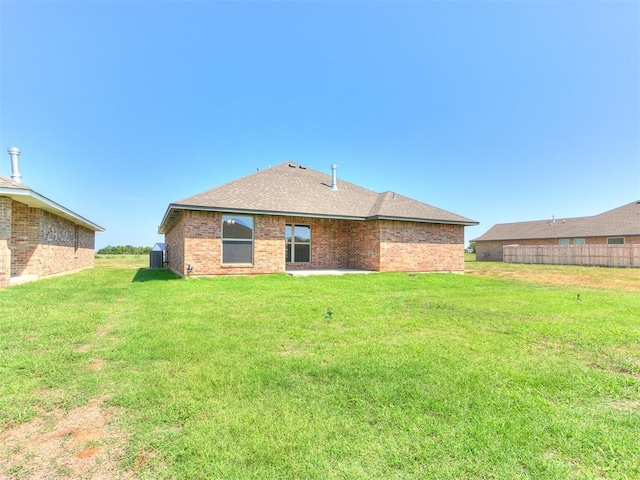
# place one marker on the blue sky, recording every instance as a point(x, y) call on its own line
point(499, 111)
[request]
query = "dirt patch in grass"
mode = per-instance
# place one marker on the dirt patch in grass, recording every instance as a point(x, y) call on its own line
point(590, 277)
point(625, 405)
point(82, 443)
point(96, 364)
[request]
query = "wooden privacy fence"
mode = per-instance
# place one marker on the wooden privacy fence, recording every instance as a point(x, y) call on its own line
point(588, 255)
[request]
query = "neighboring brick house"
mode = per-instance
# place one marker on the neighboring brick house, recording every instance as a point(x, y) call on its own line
point(39, 237)
point(289, 217)
point(614, 227)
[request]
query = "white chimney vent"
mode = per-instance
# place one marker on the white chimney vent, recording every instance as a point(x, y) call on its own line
point(14, 152)
point(334, 177)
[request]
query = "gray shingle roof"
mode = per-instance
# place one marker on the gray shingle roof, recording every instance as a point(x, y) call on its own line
point(621, 221)
point(291, 189)
point(6, 182)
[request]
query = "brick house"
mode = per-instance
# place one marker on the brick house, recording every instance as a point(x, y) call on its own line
point(290, 217)
point(614, 227)
point(39, 237)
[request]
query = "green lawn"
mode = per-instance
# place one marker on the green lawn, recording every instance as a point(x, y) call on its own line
point(411, 376)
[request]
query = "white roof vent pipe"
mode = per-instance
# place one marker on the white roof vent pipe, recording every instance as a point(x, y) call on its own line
point(334, 177)
point(14, 152)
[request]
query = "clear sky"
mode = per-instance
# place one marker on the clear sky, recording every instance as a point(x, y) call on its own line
point(499, 111)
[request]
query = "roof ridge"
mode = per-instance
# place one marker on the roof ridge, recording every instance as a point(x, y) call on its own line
point(378, 202)
point(233, 181)
point(617, 221)
point(626, 205)
point(279, 166)
point(290, 188)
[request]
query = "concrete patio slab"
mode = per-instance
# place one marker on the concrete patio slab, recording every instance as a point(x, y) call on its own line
point(337, 271)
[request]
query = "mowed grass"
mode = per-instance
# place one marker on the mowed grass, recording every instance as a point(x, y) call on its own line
point(596, 277)
point(410, 376)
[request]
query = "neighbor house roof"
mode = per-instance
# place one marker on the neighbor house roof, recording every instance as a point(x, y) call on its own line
point(292, 189)
point(621, 221)
point(23, 194)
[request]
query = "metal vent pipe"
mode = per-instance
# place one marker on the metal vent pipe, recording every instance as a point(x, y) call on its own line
point(334, 177)
point(14, 152)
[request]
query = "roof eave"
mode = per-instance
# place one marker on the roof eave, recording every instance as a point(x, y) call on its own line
point(167, 220)
point(468, 223)
point(34, 199)
point(553, 237)
point(282, 213)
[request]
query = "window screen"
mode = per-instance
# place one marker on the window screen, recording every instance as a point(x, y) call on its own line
point(237, 239)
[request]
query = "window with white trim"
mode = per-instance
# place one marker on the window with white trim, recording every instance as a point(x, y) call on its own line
point(615, 241)
point(563, 241)
point(298, 243)
point(237, 239)
point(578, 241)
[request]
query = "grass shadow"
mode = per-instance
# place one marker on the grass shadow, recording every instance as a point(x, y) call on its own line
point(153, 274)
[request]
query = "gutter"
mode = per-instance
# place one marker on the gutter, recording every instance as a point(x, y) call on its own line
point(34, 199)
point(468, 223)
point(165, 225)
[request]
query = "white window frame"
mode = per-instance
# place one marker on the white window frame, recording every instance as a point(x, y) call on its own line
point(563, 242)
point(615, 238)
point(232, 218)
point(581, 241)
point(293, 242)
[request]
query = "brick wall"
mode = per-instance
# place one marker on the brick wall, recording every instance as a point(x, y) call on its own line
point(202, 241)
point(195, 239)
point(63, 246)
point(174, 240)
point(629, 240)
point(491, 251)
point(330, 243)
point(43, 243)
point(364, 245)
point(421, 247)
point(5, 241)
point(24, 239)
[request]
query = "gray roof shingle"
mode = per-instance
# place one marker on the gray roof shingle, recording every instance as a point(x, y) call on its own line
point(6, 182)
point(291, 189)
point(621, 221)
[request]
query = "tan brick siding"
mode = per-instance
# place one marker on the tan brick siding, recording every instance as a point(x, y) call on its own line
point(63, 246)
point(24, 239)
point(364, 245)
point(195, 239)
point(330, 243)
point(174, 240)
point(491, 251)
point(631, 240)
point(421, 247)
point(43, 243)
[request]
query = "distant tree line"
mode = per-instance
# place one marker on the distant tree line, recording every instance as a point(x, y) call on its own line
point(472, 247)
point(124, 250)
